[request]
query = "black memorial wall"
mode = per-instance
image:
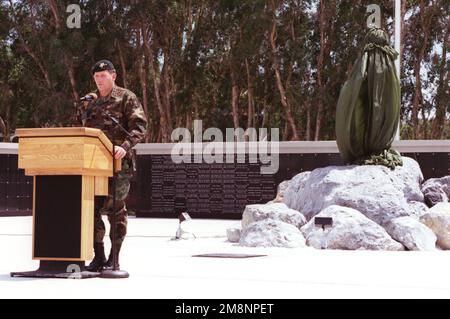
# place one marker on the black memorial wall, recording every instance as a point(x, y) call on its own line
point(161, 188)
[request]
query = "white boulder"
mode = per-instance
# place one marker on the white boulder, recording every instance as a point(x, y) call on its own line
point(271, 233)
point(438, 220)
point(351, 230)
point(411, 233)
point(274, 211)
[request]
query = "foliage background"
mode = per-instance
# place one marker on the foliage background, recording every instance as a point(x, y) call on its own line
point(234, 63)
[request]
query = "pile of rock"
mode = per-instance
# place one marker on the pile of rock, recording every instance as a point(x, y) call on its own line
point(372, 207)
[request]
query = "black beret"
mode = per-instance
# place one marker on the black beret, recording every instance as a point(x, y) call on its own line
point(102, 65)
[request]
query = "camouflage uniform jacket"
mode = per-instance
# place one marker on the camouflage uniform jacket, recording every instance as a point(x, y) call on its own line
point(124, 106)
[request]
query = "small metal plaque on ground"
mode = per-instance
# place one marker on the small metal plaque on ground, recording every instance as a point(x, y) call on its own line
point(218, 255)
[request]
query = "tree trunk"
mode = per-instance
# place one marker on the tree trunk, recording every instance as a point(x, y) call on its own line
point(308, 120)
point(66, 58)
point(250, 96)
point(166, 90)
point(276, 66)
point(320, 61)
point(71, 73)
point(30, 52)
point(164, 124)
point(143, 82)
point(234, 96)
point(416, 99)
point(159, 138)
point(426, 17)
point(441, 103)
point(165, 130)
point(266, 108)
point(195, 105)
point(404, 31)
point(285, 134)
point(188, 120)
point(424, 126)
point(4, 129)
point(122, 65)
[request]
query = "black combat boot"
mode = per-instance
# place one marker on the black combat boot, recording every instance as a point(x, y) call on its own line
point(99, 260)
point(109, 263)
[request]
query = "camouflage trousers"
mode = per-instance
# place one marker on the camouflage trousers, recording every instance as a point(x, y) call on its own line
point(104, 205)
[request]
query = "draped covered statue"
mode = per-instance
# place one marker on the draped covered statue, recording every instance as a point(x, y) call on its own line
point(368, 109)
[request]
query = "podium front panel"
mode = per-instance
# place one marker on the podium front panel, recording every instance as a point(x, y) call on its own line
point(57, 218)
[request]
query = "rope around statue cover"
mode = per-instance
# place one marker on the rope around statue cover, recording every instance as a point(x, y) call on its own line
point(390, 158)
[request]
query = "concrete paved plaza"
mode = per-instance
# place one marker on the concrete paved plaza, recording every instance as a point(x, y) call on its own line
point(160, 267)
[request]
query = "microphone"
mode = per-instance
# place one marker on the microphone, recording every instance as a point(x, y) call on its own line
point(89, 97)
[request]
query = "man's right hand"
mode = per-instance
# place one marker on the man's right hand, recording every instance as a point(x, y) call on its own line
point(119, 152)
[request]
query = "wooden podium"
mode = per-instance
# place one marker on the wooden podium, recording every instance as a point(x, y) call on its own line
point(70, 166)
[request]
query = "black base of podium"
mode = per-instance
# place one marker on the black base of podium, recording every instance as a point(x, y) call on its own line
point(112, 274)
point(58, 269)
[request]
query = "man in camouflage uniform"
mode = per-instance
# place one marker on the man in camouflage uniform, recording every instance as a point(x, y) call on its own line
point(124, 106)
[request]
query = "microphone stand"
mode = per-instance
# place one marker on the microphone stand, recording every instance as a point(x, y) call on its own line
point(114, 273)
